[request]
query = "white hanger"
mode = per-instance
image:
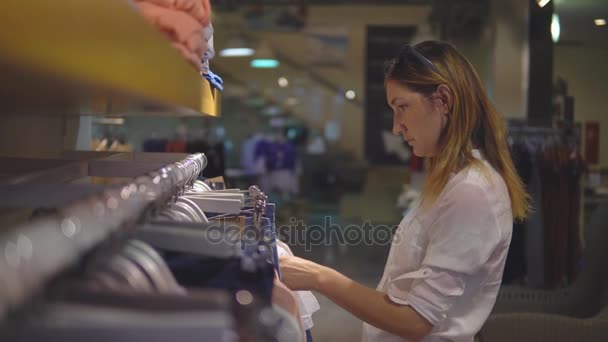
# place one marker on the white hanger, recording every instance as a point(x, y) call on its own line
point(218, 205)
point(185, 209)
point(200, 186)
point(201, 217)
point(188, 238)
point(229, 201)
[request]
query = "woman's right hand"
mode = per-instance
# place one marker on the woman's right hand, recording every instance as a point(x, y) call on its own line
point(301, 274)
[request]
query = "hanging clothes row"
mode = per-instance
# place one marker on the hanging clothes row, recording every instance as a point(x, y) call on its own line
point(561, 168)
point(545, 249)
point(198, 264)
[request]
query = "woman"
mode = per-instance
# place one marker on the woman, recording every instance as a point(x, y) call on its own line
point(445, 265)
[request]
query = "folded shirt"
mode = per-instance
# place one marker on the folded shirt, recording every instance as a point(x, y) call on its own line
point(208, 31)
point(200, 10)
point(183, 30)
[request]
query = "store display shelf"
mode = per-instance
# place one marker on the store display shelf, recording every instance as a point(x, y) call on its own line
point(96, 57)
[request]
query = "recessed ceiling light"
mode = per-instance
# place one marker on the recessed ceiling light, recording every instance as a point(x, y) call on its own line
point(264, 57)
point(264, 63)
point(350, 95)
point(555, 28)
point(236, 52)
point(542, 3)
point(236, 47)
point(283, 82)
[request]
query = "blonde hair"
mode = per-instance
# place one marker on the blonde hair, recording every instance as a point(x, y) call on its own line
point(473, 122)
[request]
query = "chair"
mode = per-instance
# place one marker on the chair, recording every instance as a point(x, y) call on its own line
point(576, 313)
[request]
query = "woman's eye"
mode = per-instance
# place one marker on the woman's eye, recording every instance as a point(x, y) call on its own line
point(401, 107)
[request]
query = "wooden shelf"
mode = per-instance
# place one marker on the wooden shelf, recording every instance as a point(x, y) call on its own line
point(94, 57)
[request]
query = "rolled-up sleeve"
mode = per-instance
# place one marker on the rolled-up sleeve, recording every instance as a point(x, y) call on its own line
point(431, 292)
point(461, 240)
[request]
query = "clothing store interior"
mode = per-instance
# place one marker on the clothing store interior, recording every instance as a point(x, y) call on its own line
point(157, 157)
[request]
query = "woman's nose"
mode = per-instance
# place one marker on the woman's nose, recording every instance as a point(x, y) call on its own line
point(396, 125)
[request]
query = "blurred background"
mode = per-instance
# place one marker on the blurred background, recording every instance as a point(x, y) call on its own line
point(304, 116)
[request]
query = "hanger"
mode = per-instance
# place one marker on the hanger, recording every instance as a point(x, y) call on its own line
point(182, 207)
point(218, 194)
point(259, 204)
point(218, 205)
point(199, 212)
point(125, 272)
point(200, 186)
point(148, 267)
point(214, 239)
point(197, 196)
point(215, 201)
point(177, 216)
point(133, 265)
point(162, 267)
point(101, 280)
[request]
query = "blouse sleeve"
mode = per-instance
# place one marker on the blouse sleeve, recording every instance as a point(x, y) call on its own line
point(461, 241)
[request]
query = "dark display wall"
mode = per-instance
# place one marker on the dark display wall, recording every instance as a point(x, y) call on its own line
point(382, 44)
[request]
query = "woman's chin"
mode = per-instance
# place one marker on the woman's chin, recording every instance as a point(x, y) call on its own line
point(420, 154)
point(417, 152)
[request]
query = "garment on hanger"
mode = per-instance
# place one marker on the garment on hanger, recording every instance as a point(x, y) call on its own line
point(561, 169)
point(545, 249)
point(233, 274)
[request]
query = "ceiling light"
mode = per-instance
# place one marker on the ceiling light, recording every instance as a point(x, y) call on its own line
point(264, 63)
point(283, 82)
point(350, 95)
point(600, 22)
point(555, 27)
point(236, 47)
point(264, 58)
point(542, 3)
point(237, 52)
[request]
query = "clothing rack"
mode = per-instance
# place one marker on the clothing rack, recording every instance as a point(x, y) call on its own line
point(533, 130)
point(533, 252)
point(36, 251)
point(517, 132)
point(569, 135)
point(87, 243)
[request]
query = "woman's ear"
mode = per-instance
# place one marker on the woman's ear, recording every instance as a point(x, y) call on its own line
point(447, 98)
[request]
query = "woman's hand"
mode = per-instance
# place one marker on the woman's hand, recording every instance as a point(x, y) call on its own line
point(371, 306)
point(301, 274)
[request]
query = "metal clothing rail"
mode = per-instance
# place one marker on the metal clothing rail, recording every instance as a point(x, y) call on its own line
point(35, 251)
point(46, 183)
point(78, 164)
point(535, 130)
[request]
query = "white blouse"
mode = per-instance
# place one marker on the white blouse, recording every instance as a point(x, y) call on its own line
point(446, 262)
